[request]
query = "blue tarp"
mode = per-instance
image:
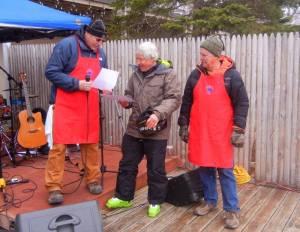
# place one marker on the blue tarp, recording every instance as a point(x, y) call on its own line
point(23, 16)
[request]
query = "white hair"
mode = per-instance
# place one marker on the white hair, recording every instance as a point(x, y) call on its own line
point(148, 50)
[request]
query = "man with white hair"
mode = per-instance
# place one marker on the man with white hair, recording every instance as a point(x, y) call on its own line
point(153, 94)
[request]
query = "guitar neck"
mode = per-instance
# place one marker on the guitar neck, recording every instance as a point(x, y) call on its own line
point(26, 95)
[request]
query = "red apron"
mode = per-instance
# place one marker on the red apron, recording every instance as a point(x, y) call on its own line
point(211, 123)
point(76, 114)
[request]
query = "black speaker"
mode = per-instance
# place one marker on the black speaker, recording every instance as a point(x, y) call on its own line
point(70, 218)
point(185, 189)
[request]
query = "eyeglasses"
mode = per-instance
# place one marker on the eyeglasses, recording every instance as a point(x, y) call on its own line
point(96, 38)
point(100, 40)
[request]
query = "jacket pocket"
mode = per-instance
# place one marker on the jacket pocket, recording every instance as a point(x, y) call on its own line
point(156, 82)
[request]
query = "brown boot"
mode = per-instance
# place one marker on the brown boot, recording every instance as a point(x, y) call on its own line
point(55, 197)
point(231, 220)
point(94, 188)
point(204, 209)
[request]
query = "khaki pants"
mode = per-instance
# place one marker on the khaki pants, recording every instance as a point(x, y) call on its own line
point(56, 163)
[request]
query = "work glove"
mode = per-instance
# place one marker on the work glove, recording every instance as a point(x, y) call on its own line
point(238, 137)
point(184, 133)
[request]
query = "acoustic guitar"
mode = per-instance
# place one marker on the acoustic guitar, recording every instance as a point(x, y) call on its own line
point(32, 130)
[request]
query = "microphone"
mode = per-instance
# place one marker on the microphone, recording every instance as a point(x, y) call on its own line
point(88, 75)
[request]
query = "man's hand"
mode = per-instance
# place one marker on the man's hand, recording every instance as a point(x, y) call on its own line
point(85, 85)
point(123, 102)
point(237, 137)
point(107, 92)
point(152, 121)
point(184, 133)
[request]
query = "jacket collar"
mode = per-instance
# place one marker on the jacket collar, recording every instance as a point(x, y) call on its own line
point(160, 70)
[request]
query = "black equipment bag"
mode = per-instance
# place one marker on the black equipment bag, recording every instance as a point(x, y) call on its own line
point(185, 189)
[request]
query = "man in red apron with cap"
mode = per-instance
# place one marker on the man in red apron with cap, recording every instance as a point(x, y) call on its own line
point(212, 120)
point(73, 65)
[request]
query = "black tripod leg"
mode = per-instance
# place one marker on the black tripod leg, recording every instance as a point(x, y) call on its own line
point(5, 143)
point(102, 167)
point(2, 180)
point(10, 80)
point(13, 152)
point(12, 149)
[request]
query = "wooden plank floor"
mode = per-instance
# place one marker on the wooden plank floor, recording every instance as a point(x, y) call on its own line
point(262, 209)
point(32, 196)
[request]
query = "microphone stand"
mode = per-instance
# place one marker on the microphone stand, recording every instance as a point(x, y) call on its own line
point(103, 168)
point(12, 145)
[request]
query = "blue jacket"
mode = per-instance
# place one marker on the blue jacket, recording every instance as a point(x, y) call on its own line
point(63, 61)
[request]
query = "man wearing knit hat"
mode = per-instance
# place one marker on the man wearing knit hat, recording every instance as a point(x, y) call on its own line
point(73, 65)
point(212, 120)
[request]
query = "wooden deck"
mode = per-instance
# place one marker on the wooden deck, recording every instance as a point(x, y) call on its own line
point(262, 209)
point(32, 196)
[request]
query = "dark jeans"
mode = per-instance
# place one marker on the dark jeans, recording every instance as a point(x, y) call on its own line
point(134, 150)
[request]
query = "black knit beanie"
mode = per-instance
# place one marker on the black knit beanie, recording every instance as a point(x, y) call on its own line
point(96, 28)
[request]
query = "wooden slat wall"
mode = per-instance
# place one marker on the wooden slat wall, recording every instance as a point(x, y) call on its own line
point(269, 65)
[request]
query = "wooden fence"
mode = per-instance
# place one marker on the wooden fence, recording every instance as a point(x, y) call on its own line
point(269, 65)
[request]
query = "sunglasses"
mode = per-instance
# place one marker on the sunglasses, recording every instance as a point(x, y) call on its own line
point(100, 40)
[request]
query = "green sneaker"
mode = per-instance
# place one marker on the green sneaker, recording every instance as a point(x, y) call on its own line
point(153, 210)
point(115, 203)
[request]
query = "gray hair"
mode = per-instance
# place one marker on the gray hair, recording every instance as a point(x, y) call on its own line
point(148, 50)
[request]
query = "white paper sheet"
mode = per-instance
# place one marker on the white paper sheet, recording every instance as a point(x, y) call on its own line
point(106, 79)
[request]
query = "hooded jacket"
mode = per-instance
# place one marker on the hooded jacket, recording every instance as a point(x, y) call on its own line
point(159, 90)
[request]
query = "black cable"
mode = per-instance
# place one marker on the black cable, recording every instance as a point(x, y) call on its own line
point(28, 166)
point(69, 160)
point(70, 171)
point(27, 190)
point(38, 168)
point(11, 201)
point(77, 187)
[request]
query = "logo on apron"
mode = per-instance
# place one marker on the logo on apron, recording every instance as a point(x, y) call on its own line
point(209, 89)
